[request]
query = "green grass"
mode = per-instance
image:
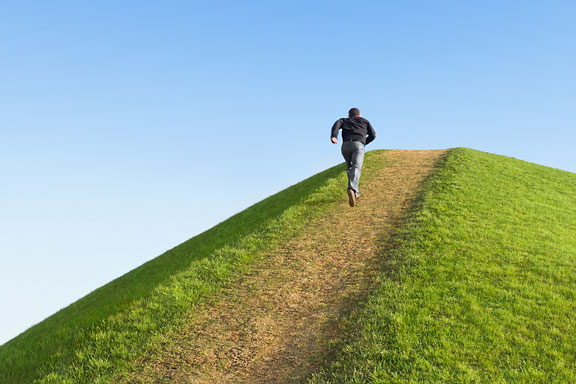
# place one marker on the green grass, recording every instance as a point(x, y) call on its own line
point(479, 286)
point(100, 334)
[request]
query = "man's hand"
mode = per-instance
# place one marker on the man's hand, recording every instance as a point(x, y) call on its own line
point(334, 140)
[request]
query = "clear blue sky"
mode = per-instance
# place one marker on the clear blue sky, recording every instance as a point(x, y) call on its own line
point(128, 127)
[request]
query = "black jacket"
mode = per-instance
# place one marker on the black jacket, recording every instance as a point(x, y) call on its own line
point(354, 129)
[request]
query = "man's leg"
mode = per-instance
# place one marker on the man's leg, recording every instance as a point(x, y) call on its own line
point(355, 165)
point(347, 151)
point(353, 153)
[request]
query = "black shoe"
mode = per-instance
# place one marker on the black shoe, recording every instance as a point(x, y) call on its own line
point(351, 197)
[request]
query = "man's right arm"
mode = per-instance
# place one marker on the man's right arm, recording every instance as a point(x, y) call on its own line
point(371, 134)
point(335, 129)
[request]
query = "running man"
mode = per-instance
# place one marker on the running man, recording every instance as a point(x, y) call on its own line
point(357, 132)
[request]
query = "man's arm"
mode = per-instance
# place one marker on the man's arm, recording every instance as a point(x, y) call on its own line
point(371, 134)
point(335, 128)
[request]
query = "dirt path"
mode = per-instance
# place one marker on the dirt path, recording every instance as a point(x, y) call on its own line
point(279, 323)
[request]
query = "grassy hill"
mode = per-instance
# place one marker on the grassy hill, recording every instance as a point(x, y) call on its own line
point(104, 331)
point(477, 285)
point(480, 286)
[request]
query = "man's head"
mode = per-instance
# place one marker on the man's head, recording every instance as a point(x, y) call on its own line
point(354, 112)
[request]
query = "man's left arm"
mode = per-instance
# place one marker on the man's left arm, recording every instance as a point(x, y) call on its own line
point(334, 131)
point(371, 134)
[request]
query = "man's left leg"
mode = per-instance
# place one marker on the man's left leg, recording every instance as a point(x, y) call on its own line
point(355, 166)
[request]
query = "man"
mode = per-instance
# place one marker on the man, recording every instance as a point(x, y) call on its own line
point(356, 133)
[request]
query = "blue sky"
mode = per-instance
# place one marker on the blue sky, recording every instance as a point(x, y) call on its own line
point(128, 127)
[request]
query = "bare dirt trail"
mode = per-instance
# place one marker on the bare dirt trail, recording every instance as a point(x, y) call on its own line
point(279, 323)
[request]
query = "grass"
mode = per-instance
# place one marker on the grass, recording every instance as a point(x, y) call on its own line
point(100, 334)
point(479, 286)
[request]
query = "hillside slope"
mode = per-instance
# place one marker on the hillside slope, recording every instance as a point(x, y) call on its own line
point(480, 286)
point(100, 335)
point(465, 273)
point(117, 321)
point(283, 321)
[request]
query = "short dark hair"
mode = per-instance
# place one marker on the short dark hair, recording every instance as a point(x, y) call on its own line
point(353, 112)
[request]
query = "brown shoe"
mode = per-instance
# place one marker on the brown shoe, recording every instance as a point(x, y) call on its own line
point(351, 197)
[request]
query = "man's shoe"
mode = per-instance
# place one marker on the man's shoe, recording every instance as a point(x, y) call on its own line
point(351, 197)
point(357, 194)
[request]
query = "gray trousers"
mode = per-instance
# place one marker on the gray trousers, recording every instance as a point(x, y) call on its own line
point(353, 152)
